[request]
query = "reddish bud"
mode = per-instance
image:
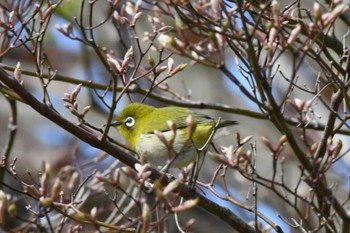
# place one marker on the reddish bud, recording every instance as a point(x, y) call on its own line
point(93, 213)
point(135, 18)
point(219, 158)
point(171, 186)
point(267, 143)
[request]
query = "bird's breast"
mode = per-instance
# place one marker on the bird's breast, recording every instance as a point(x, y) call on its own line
point(158, 153)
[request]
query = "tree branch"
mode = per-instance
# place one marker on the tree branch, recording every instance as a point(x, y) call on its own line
point(127, 158)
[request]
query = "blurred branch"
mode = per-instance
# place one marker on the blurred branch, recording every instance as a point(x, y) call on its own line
point(251, 43)
point(164, 99)
point(12, 130)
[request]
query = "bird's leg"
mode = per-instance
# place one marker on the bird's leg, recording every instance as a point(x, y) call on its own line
point(210, 138)
point(202, 150)
point(192, 182)
point(165, 168)
point(214, 147)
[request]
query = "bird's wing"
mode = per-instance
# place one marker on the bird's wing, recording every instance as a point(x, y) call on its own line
point(175, 114)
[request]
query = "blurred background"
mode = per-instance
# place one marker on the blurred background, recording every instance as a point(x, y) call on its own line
point(40, 143)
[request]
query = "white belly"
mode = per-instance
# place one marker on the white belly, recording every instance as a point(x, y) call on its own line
point(158, 154)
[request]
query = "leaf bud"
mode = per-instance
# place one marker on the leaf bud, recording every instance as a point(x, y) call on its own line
point(150, 60)
point(186, 205)
point(191, 126)
point(45, 201)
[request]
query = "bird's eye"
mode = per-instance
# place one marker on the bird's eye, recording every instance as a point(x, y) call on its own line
point(129, 122)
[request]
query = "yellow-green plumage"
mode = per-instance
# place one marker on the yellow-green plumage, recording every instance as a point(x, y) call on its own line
point(137, 123)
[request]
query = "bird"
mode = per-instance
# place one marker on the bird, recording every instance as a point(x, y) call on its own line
point(168, 136)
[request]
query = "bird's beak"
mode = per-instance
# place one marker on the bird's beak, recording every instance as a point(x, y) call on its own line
point(115, 123)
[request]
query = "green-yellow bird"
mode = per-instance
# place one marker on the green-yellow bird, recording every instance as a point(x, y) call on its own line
point(141, 125)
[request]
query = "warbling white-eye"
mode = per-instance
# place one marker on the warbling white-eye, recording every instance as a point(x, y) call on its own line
point(162, 134)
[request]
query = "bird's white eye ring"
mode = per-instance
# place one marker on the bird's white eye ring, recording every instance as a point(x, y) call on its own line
point(129, 122)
